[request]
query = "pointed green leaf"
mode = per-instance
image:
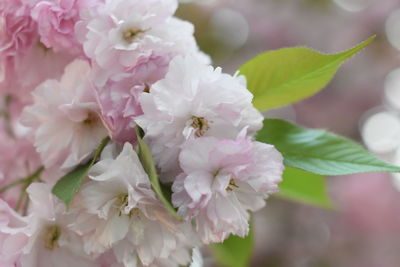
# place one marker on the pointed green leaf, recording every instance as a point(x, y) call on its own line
point(148, 165)
point(281, 77)
point(234, 251)
point(70, 183)
point(304, 187)
point(319, 151)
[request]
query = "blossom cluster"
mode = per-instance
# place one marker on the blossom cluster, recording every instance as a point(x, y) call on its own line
point(78, 73)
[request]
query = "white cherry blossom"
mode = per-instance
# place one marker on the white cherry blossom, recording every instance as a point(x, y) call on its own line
point(192, 101)
point(127, 217)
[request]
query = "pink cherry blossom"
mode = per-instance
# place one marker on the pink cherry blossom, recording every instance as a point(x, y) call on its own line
point(56, 23)
point(21, 51)
point(118, 34)
point(65, 118)
point(119, 100)
point(222, 180)
point(119, 107)
point(18, 30)
point(22, 75)
point(18, 160)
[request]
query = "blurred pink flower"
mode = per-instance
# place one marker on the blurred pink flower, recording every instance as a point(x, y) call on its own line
point(18, 160)
point(369, 203)
point(12, 236)
point(56, 23)
point(18, 31)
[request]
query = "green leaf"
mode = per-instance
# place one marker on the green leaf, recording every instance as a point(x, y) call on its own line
point(234, 251)
point(305, 187)
point(148, 165)
point(281, 77)
point(319, 151)
point(70, 183)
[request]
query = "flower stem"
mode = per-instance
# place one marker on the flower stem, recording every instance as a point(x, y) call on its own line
point(6, 115)
point(23, 200)
point(27, 181)
point(15, 183)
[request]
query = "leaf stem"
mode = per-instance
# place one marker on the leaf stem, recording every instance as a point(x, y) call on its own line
point(99, 149)
point(6, 115)
point(26, 206)
point(21, 198)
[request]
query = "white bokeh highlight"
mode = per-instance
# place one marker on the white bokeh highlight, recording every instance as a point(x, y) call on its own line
point(392, 28)
point(353, 5)
point(381, 132)
point(229, 27)
point(392, 88)
point(396, 176)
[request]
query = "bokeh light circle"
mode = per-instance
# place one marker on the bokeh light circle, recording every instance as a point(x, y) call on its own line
point(381, 132)
point(229, 27)
point(392, 28)
point(396, 176)
point(392, 88)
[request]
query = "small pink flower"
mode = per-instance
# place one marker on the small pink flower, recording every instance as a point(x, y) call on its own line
point(56, 23)
point(119, 106)
point(12, 236)
point(222, 180)
point(119, 100)
point(17, 29)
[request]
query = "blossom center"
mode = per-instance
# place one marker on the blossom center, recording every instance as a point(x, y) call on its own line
point(122, 203)
point(91, 119)
point(232, 185)
point(43, 47)
point(131, 34)
point(146, 88)
point(51, 236)
point(135, 213)
point(201, 126)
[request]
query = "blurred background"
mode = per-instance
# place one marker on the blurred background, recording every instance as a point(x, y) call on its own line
point(362, 103)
